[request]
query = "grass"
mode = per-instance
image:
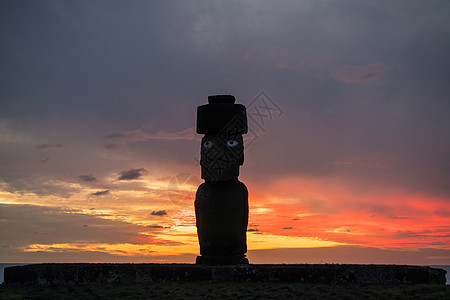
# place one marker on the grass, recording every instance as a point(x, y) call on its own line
point(238, 290)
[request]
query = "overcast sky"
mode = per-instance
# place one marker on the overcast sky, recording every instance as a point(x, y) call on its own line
point(98, 106)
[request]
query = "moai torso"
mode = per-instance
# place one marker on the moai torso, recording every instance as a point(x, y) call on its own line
point(221, 203)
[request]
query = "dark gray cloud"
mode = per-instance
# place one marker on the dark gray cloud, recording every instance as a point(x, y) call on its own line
point(115, 135)
point(87, 178)
point(110, 146)
point(100, 193)
point(45, 160)
point(131, 174)
point(45, 146)
point(159, 213)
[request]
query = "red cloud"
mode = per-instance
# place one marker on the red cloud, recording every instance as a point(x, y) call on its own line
point(360, 74)
point(300, 60)
point(332, 209)
point(249, 53)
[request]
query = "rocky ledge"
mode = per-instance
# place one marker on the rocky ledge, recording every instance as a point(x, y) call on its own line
point(79, 274)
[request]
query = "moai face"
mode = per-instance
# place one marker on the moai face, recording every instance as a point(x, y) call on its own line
point(221, 156)
point(222, 147)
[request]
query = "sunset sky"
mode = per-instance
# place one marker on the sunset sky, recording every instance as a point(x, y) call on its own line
point(347, 159)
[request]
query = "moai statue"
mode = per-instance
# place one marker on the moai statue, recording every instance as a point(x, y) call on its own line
point(221, 202)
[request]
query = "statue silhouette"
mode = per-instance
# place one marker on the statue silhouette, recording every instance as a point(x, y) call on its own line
point(221, 202)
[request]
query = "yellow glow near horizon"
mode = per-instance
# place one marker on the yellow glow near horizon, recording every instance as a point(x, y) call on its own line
point(269, 241)
point(188, 245)
point(124, 249)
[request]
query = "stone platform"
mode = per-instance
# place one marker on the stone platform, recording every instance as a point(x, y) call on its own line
point(80, 274)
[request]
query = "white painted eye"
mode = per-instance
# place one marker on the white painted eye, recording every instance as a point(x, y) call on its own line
point(232, 143)
point(208, 144)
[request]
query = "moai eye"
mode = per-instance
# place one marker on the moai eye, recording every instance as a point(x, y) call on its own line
point(232, 143)
point(208, 144)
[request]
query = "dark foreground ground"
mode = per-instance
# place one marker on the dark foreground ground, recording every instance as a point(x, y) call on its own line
point(238, 290)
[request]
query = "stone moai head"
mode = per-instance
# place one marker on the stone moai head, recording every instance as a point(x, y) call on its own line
point(222, 150)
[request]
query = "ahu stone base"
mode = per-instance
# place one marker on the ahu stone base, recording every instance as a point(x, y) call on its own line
point(225, 260)
point(80, 274)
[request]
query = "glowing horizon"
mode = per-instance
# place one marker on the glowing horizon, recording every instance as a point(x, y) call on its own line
point(275, 222)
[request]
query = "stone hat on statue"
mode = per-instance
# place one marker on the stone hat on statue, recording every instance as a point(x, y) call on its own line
point(221, 113)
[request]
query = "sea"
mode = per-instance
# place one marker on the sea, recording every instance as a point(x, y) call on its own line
point(446, 268)
point(2, 270)
point(3, 266)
